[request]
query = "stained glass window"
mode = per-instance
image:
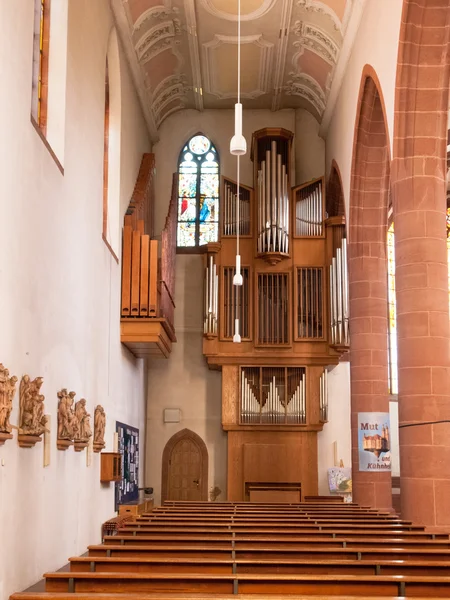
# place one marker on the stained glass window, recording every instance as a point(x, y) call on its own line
point(392, 332)
point(198, 193)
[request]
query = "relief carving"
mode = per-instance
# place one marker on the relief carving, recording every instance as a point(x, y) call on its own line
point(321, 9)
point(99, 428)
point(32, 421)
point(315, 40)
point(7, 391)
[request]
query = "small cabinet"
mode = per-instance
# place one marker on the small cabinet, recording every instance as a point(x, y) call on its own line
point(110, 466)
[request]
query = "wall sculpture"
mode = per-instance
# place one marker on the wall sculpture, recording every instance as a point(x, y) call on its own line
point(68, 426)
point(83, 430)
point(7, 391)
point(99, 428)
point(32, 421)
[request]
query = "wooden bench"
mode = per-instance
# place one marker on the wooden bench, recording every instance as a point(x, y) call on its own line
point(226, 551)
point(380, 566)
point(198, 596)
point(299, 541)
point(331, 585)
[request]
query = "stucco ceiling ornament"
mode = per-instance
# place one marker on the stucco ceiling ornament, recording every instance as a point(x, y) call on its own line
point(176, 91)
point(297, 89)
point(306, 81)
point(315, 40)
point(259, 12)
point(153, 14)
point(171, 80)
point(322, 9)
point(161, 47)
point(211, 67)
point(162, 31)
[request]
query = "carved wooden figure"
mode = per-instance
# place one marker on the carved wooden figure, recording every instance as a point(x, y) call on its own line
point(7, 391)
point(99, 428)
point(84, 431)
point(67, 422)
point(32, 421)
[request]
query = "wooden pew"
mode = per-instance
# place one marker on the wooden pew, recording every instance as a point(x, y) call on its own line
point(332, 585)
point(281, 554)
point(182, 596)
point(380, 566)
point(299, 541)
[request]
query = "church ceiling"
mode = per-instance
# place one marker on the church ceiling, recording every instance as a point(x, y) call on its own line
point(184, 52)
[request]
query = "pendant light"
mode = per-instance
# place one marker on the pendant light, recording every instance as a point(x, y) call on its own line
point(238, 147)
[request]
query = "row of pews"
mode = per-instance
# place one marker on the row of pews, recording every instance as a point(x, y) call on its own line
point(218, 550)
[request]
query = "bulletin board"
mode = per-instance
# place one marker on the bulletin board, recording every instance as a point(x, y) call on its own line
point(127, 490)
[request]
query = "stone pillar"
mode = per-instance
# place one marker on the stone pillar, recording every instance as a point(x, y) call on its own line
point(368, 283)
point(368, 362)
point(419, 199)
point(423, 347)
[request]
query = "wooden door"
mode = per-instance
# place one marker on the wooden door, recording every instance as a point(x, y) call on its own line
point(185, 468)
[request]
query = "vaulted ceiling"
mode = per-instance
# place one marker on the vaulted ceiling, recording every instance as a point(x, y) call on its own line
point(183, 53)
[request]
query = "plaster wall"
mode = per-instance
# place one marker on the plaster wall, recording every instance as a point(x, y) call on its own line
point(309, 148)
point(376, 44)
point(185, 382)
point(338, 427)
point(60, 290)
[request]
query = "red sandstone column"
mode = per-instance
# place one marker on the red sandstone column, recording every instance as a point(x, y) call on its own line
point(423, 347)
point(368, 284)
point(419, 172)
point(368, 362)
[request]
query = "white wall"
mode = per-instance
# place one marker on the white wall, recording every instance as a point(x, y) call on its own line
point(338, 427)
point(60, 291)
point(376, 44)
point(309, 148)
point(185, 382)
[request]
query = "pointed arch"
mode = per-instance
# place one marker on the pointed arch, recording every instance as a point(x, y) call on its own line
point(367, 223)
point(185, 434)
point(198, 193)
point(335, 195)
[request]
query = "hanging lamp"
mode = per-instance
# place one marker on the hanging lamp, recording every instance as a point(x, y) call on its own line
point(238, 147)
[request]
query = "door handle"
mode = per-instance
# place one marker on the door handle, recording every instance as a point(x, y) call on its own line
point(196, 481)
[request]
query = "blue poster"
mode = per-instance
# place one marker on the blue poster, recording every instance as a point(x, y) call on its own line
point(127, 490)
point(374, 442)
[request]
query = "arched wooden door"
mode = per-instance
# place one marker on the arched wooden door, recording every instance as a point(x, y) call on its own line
point(185, 468)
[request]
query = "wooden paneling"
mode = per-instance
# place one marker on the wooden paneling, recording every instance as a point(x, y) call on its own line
point(295, 458)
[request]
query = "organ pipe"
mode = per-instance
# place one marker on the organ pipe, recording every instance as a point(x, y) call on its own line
point(323, 397)
point(309, 211)
point(339, 302)
point(273, 202)
point(211, 298)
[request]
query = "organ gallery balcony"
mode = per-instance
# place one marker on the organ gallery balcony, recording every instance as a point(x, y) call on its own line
point(148, 274)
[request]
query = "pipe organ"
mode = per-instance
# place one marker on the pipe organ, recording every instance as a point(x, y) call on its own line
point(292, 313)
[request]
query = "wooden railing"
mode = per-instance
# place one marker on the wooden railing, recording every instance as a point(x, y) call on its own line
point(168, 254)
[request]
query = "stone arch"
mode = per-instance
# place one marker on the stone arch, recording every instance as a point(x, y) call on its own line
point(419, 203)
point(167, 453)
point(366, 230)
point(335, 196)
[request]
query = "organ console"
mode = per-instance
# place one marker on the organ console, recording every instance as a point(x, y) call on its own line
point(293, 318)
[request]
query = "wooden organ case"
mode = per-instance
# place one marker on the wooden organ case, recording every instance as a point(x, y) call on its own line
point(293, 315)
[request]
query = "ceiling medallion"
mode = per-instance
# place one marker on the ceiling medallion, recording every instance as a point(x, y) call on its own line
point(264, 8)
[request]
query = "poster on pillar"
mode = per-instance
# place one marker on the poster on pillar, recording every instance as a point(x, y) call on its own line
point(374, 446)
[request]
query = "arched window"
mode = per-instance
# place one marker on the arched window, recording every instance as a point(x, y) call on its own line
point(198, 193)
point(392, 312)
